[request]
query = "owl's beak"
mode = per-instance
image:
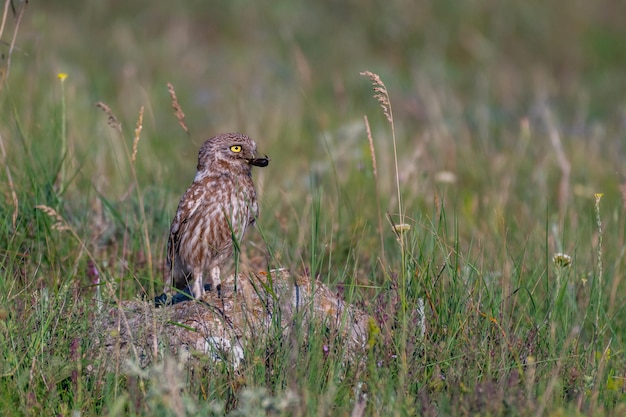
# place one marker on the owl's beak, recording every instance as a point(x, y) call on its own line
point(259, 162)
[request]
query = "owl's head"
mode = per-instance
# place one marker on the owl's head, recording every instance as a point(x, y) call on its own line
point(234, 152)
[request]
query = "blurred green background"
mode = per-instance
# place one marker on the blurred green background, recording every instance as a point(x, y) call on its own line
point(469, 81)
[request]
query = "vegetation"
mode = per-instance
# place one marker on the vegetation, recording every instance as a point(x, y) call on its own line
point(489, 189)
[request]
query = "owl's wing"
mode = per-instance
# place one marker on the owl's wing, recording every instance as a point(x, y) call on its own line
point(253, 212)
point(173, 242)
point(189, 203)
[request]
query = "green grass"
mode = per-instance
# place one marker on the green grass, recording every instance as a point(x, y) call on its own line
point(476, 88)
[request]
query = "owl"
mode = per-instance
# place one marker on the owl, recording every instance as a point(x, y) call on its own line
point(214, 213)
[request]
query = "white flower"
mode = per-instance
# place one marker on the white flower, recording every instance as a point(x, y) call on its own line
point(562, 260)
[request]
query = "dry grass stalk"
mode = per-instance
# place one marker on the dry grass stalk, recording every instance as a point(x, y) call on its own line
point(138, 129)
point(4, 16)
point(112, 120)
point(18, 18)
point(381, 94)
point(371, 143)
point(178, 110)
point(16, 203)
point(370, 139)
point(598, 197)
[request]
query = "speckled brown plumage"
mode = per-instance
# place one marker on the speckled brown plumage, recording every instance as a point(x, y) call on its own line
point(214, 213)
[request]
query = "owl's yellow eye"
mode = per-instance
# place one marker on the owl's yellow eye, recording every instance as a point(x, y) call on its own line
point(236, 148)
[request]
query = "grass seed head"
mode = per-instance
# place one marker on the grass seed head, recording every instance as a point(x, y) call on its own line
point(178, 110)
point(380, 93)
point(112, 120)
point(138, 129)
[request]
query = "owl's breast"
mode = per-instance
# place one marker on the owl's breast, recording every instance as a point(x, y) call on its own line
point(231, 201)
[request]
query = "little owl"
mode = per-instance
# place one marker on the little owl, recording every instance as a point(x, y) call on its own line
point(213, 214)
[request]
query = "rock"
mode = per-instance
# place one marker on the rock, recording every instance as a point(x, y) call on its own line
point(222, 325)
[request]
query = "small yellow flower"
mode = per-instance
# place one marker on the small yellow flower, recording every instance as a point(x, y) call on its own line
point(62, 76)
point(598, 196)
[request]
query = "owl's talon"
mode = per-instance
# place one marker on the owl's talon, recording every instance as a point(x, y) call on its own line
point(180, 297)
point(160, 300)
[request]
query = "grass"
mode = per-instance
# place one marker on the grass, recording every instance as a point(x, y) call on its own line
point(507, 126)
